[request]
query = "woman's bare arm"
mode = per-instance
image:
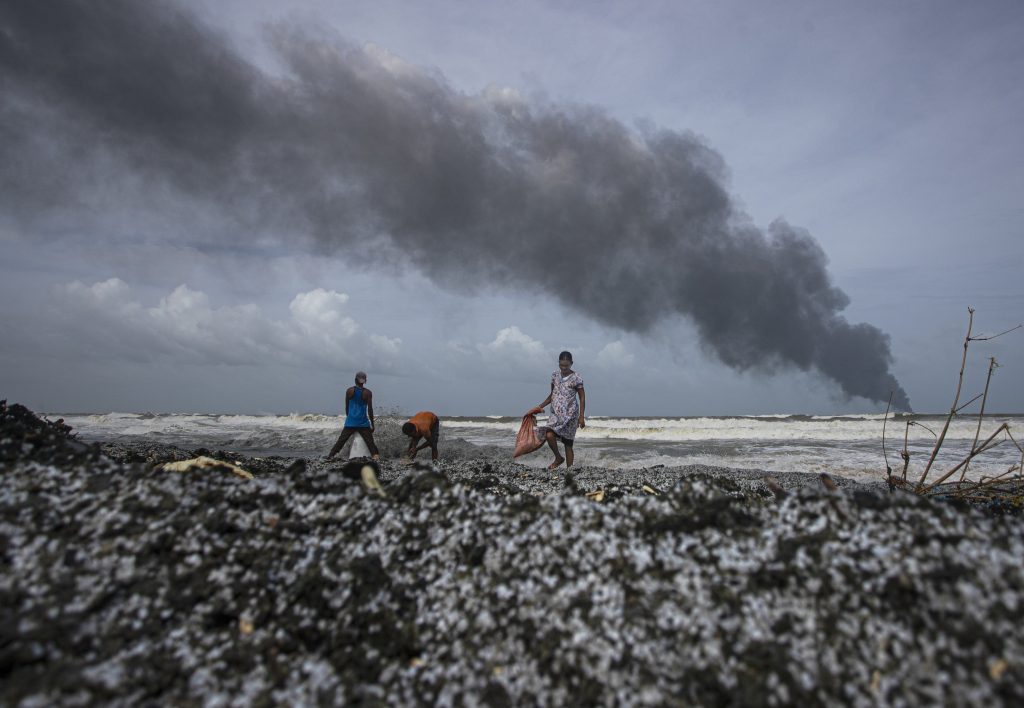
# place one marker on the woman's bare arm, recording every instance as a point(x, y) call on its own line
point(548, 399)
point(583, 406)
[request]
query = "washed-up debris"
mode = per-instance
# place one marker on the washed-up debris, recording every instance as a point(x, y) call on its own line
point(364, 471)
point(203, 463)
point(296, 468)
point(368, 476)
point(775, 488)
point(596, 495)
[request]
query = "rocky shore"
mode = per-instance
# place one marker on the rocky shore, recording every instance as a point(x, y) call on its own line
point(483, 582)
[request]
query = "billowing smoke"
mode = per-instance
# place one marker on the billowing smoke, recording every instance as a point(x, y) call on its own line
point(351, 146)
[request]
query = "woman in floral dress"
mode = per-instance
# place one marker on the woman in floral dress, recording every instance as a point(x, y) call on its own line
point(568, 401)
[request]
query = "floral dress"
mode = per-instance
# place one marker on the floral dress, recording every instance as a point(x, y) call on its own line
point(565, 406)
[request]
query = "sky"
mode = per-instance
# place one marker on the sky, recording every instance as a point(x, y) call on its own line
point(719, 207)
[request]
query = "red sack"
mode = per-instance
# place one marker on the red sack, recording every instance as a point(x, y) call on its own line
point(526, 438)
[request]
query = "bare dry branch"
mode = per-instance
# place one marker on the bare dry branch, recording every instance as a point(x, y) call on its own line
point(956, 399)
point(991, 483)
point(885, 419)
point(922, 425)
point(968, 403)
point(1013, 439)
point(986, 479)
point(981, 413)
point(991, 337)
point(906, 452)
point(1021, 465)
point(974, 453)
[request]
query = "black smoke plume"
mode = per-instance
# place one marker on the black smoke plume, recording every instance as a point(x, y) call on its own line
point(351, 146)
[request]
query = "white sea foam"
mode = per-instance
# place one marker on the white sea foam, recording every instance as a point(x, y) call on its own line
point(773, 427)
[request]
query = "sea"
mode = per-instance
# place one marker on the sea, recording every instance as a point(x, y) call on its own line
point(846, 445)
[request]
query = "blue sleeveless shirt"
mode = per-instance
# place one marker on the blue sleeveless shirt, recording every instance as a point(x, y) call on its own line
point(357, 417)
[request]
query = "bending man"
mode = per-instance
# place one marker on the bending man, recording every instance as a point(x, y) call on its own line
point(422, 425)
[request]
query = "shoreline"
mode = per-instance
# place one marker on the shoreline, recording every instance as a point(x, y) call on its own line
point(518, 477)
point(839, 448)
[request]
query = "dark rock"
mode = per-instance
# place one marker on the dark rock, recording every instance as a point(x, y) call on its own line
point(296, 468)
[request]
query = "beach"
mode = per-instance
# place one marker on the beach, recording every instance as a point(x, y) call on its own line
point(481, 581)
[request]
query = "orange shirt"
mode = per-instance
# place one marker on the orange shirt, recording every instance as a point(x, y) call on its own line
point(424, 421)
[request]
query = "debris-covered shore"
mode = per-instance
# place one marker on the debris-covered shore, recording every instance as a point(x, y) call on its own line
point(486, 582)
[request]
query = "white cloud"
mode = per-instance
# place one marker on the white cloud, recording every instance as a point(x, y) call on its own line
point(389, 345)
point(512, 343)
point(514, 355)
point(321, 308)
point(111, 296)
point(107, 320)
point(459, 349)
point(615, 355)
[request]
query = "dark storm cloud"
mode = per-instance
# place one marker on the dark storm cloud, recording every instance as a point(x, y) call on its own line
point(352, 146)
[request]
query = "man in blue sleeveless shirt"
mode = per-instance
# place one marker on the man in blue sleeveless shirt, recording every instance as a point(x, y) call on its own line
point(358, 417)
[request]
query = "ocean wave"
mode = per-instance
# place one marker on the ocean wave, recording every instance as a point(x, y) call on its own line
point(810, 428)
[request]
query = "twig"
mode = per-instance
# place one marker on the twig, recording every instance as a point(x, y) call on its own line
point(981, 413)
point(984, 447)
point(1011, 470)
point(986, 339)
point(1020, 477)
point(968, 403)
point(1013, 439)
point(983, 485)
point(956, 398)
point(885, 419)
point(906, 452)
point(1021, 465)
point(974, 453)
point(922, 425)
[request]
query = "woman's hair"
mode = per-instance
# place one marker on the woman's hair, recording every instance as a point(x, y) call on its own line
point(360, 377)
point(408, 428)
point(565, 355)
